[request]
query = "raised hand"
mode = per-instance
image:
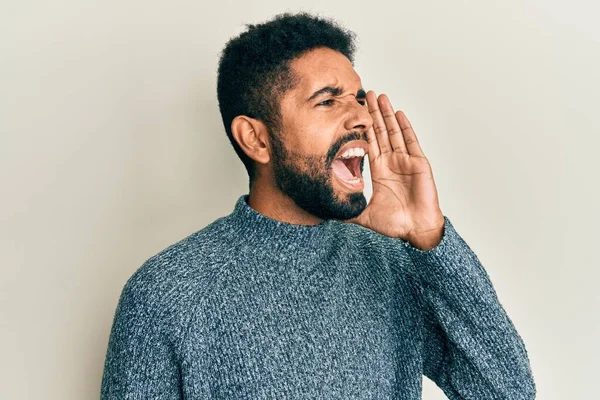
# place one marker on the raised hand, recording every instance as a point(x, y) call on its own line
point(405, 202)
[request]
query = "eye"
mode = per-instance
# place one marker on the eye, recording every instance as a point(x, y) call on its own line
point(328, 102)
point(325, 101)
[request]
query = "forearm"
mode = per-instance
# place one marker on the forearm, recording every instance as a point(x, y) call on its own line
point(484, 356)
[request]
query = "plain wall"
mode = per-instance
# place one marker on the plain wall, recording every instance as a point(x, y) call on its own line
point(112, 148)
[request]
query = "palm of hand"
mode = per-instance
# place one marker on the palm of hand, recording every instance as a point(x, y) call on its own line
point(405, 201)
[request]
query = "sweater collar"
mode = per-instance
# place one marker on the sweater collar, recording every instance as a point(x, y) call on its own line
point(257, 224)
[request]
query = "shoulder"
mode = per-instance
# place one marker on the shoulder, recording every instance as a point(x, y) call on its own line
point(176, 275)
point(365, 239)
point(377, 250)
point(375, 240)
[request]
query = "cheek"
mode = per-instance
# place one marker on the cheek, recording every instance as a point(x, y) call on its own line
point(313, 135)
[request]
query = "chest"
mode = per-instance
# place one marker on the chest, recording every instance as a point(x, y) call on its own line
point(345, 328)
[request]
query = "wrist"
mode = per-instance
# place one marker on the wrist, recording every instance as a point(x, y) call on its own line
point(427, 240)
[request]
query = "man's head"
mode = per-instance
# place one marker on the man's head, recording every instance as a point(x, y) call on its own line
point(286, 129)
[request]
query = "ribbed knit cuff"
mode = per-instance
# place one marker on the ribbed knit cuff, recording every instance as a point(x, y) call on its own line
point(448, 235)
point(451, 264)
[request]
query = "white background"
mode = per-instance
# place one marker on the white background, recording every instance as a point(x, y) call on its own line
point(112, 148)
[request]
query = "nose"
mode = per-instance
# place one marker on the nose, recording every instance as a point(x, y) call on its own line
point(358, 118)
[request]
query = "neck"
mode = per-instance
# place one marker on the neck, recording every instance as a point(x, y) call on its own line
point(274, 204)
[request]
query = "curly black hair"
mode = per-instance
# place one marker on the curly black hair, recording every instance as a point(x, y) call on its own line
point(254, 71)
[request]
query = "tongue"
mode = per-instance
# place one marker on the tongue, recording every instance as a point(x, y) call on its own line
point(342, 170)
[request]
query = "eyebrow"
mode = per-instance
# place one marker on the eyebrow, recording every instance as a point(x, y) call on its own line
point(335, 91)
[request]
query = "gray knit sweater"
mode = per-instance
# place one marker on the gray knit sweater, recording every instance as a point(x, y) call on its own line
point(253, 308)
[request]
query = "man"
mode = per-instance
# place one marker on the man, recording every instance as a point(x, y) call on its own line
point(306, 291)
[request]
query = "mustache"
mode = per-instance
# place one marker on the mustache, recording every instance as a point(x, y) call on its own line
point(342, 141)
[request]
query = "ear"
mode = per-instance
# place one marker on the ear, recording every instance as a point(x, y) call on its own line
point(251, 136)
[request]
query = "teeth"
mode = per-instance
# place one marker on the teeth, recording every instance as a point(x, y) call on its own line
point(354, 152)
point(355, 180)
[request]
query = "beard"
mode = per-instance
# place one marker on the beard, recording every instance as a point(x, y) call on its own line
point(307, 180)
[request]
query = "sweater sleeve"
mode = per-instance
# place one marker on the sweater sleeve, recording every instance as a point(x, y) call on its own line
point(472, 350)
point(141, 361)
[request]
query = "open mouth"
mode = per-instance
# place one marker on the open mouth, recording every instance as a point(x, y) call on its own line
point(347, 169)
point(347, 163)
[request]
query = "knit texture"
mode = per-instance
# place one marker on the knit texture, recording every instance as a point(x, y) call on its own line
point(254, 308)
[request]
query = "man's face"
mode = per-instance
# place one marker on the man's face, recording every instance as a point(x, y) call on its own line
point(315, 131)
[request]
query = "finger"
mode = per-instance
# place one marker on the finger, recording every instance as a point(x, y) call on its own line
point(373, 146)
point(372, 140)
point(410, 137)
point(393, 128)
point(378, 124)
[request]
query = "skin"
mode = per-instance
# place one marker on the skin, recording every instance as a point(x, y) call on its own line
point(295, 181)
